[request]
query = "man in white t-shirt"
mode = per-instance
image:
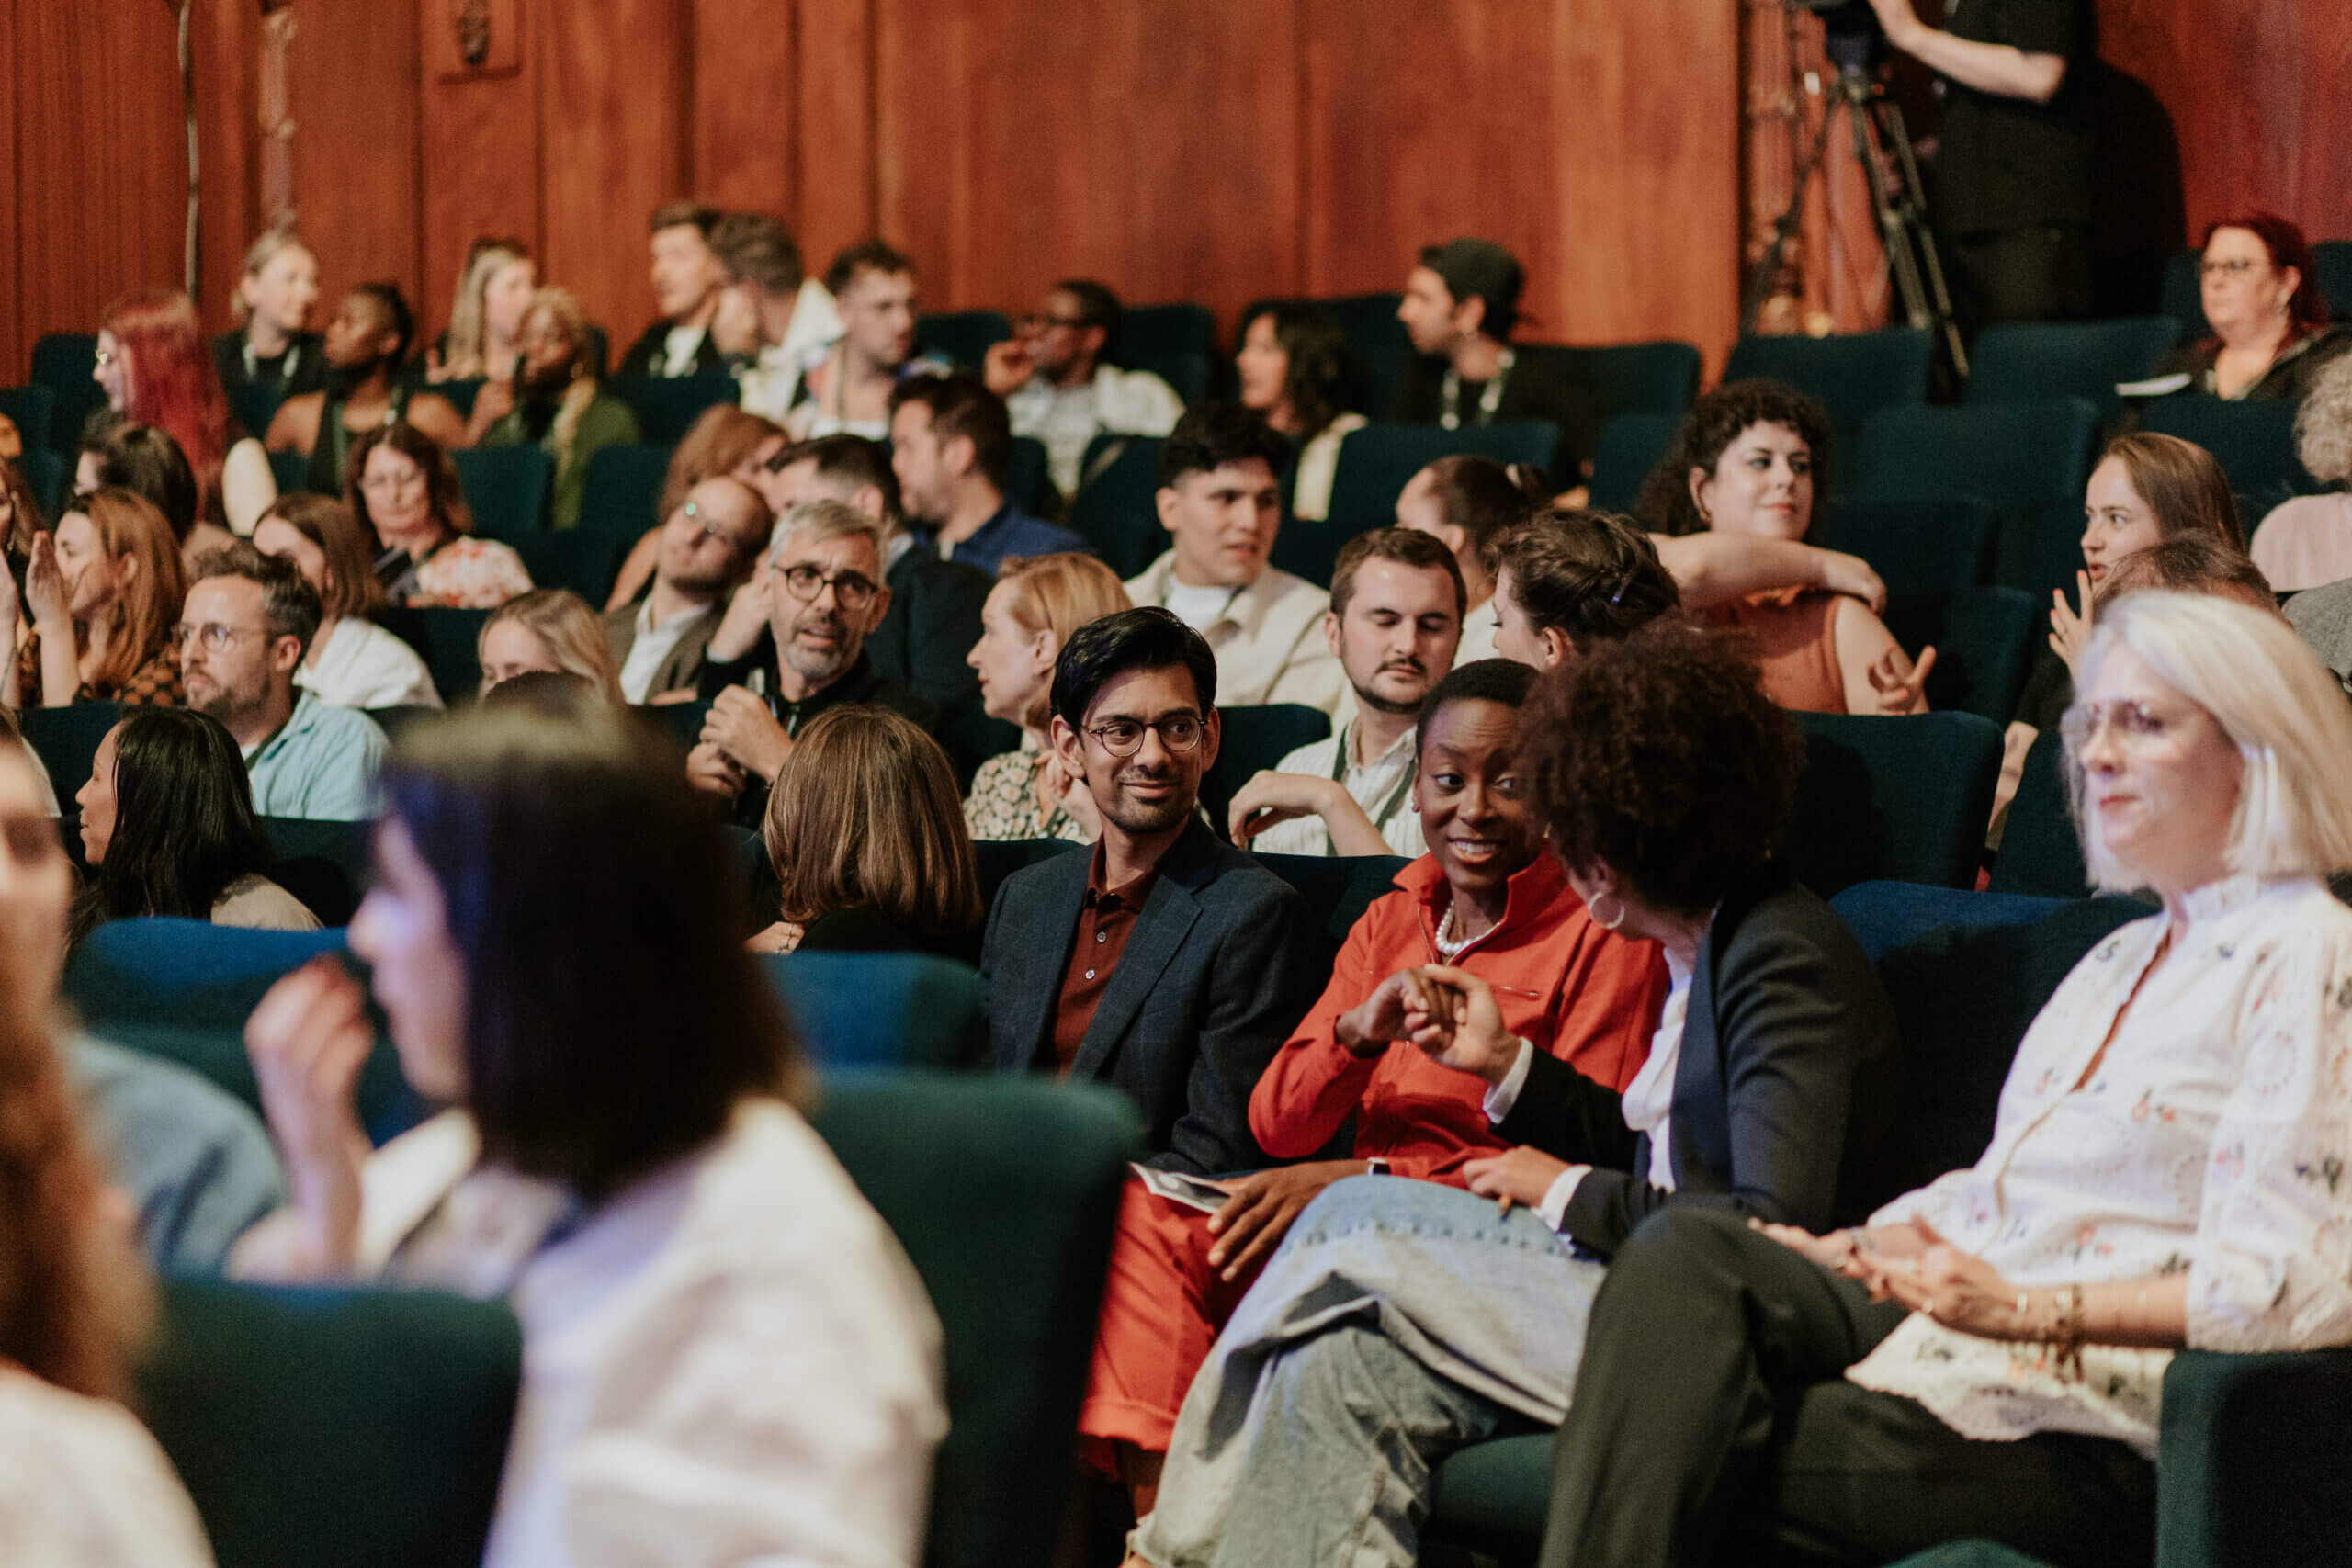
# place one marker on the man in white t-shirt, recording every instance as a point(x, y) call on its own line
point(1397, 604)
point(1220, 500)
point(708, 544)
point(1057, 388)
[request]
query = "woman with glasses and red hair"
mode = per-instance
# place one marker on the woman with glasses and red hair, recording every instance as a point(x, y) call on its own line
point(2270, 334)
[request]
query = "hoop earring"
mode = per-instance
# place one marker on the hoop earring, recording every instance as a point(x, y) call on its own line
point(1610, 924)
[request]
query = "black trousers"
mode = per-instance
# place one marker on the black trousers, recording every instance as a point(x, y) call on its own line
point(2037, 274)
point(1712, 1422)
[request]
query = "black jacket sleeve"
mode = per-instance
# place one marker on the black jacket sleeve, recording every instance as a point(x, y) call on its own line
point(1568, 1116)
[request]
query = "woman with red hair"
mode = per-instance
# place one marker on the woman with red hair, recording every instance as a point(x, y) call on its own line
point(2270, 336)
point(157, 368)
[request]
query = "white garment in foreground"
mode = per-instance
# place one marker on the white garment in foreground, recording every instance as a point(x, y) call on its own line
point(361, 665)
point(2203, 1145)
point(1268, 638)
point(84, 1485)
point(1383, 787)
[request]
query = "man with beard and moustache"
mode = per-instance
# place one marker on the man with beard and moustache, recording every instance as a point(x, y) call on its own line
point(1397, 600)
point(707, 547)
point(826, 594)
point(1163, 961)
point(246, 623)
point(364, 347)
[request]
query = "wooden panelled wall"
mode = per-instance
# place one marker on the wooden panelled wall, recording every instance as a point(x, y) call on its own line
point(1214, 149)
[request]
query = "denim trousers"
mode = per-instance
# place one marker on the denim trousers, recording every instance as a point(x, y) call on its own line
point(1399, 1321)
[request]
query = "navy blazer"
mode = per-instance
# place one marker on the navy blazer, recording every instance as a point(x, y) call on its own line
point(1224, 961)
point(1781, 1093)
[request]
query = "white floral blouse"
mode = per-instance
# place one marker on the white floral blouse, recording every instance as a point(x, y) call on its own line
point(1003, 800)
point(2213, 1139)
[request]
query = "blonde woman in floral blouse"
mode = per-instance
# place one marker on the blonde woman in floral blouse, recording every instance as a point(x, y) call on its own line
point(1987, 1356)
point(1037, 602)
point(403, 489)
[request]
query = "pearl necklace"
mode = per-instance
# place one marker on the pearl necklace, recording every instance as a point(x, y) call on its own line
point(1450, 948)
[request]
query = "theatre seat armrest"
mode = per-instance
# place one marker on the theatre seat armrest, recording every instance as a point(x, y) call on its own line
point(2255, 1461)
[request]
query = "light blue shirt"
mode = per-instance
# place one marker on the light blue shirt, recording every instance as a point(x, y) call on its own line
point(320, 765)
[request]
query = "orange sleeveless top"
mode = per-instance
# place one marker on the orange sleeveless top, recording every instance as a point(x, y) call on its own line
point(1794, 634)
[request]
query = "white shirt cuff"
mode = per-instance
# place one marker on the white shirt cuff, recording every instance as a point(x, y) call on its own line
point(1554, 1209)
point(1505, 1095)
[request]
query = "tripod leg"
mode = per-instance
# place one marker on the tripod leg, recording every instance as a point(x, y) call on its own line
point(1898, 136)
point(1759, 287)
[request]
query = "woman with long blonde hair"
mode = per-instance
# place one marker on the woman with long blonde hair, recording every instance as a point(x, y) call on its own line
point(494, 287)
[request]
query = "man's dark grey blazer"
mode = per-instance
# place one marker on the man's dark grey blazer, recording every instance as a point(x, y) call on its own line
point(1224, 961)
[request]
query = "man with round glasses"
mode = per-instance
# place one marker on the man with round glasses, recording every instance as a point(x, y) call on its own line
point(826, 595)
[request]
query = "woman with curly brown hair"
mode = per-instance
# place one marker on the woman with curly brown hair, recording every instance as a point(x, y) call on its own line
point(1741, 464)
point(1401, 1319)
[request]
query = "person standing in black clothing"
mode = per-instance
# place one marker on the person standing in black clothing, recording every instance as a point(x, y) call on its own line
point(1460, 303)
point(687, 279)
point(2011, 192)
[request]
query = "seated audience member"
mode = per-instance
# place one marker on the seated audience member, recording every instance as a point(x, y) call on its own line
point(952, 448)
point(2270, 337)
point(2306, 541)
point(20, 515)
point(193, 1163)
point(273, 346)
point(1057, 387)
point(1986, 1359)
point(1565, 581)
point(146, 461)
point(12, 440)
point(826, 595)
point(156, 367)
point(1461, 304)
point(847, 387)
point(1494, 897)
point(1396, 603)
point(2146, 489)
point(365, 350)
point(405, 491)
point(551, 694)
point(351, 663)
point(868, 844)
point(81, 1481)
point(687, 275)
point(1741, 466)
point(168, 828)
point(1220, 500)
point(102, 593)
point(723, 442)
point(709, 1309)
point(783, 318)
point(708, 545)
point(547, 630)
point(485, 331)
point(249, 619)
point(1465, 501)
point(1228, 950)
point(1400, 1320)
point(2191, 563)
point(556, 404)
point(1037, 604)
point(1292, 368)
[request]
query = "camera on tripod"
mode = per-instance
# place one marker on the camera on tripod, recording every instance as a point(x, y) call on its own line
point(1856, 42)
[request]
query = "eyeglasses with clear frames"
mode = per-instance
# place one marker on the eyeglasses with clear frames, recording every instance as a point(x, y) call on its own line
point(851, 590)
point(1179, 732)
point(216, 637)
point(2236, 266)
point(2134, 725)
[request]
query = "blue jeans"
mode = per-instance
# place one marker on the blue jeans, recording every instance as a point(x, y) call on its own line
point(1399, 1321)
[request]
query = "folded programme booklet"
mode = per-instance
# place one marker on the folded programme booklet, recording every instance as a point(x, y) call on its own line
point(1177, 1187)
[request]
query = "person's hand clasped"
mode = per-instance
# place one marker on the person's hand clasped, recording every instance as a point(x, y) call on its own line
point(1520, 1176)
point(1368, 1028)
point(1900, 685)
point(1258, 1215)
point(784, 936)
point(1957, 1289)
point(1458, 1024)
point(739, 724)
point(711, 771)
point(2071, 633)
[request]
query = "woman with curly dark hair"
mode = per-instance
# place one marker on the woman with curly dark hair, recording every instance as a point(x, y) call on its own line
point(1401, 1319)
point(1741, 464)
point(1293, 367)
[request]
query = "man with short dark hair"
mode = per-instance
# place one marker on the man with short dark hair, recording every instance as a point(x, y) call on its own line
point(770, 312)
point(826, 596)
point(1163, 961)
point(1220, 500)
point(950, 447)
point(708, 543)
point(1398, 600)
point(686, 280)
point(247, 620)
point(1057, 388)
point(847, 387)
point(1461, 304)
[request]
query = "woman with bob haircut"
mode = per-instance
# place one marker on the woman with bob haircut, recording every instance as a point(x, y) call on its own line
point(351, 663)
point(104, 591)
point(168, 828)
point(709, 1308)
point(869, 845)
point(1987, 1356)
point(1037, 602)
point(547, 630)
point(1400, 1320)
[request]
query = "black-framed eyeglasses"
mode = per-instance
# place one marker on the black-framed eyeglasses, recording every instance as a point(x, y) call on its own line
point(851, 590)
point(1178, 733)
